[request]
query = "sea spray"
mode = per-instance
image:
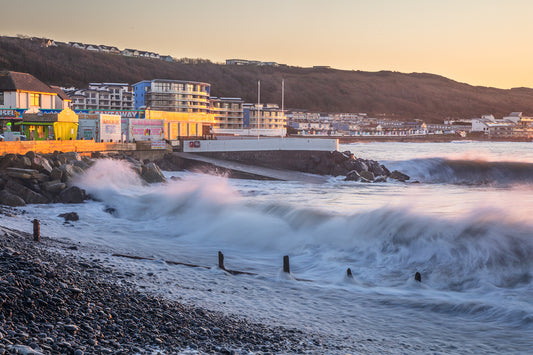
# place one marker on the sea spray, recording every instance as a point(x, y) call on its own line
point(468, 172)
point(459, 253)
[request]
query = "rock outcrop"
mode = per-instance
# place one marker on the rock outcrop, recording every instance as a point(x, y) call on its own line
point(355, 169)
point(151, 173)
point(34, 178)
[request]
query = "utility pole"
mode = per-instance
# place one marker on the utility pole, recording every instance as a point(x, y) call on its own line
point(258, 105)
point(282, 104)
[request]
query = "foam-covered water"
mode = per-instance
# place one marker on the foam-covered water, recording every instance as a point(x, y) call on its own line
point(466, 228)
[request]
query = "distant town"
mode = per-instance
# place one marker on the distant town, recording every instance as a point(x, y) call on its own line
point(30, 109)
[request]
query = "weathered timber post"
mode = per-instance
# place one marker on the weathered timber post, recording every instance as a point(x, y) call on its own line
point(221, 260)
point(349, 273)
point(286, 266)
point(36, 231)
point(418, 277)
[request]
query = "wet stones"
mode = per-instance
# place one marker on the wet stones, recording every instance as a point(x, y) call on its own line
point(72, 194)
point(9, 199)
point(152, 174)
point(87, 309)
point(71, 216)
point(354, 169)
point(34, 178)
point(399, 176)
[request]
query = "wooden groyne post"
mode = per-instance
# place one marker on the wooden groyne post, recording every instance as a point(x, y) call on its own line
point(36, 230)
point(418, 277)
point(286, 265)
point(221, 260)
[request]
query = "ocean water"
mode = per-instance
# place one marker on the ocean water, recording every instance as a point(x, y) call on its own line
point(464, 222)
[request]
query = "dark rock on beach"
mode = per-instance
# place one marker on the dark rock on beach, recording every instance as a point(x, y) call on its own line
point(9, 199)
point(72, 194)
point(399, 176)
point(70, 216)
point(151, 173)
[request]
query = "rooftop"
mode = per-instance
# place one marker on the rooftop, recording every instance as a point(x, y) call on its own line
point(13, 81)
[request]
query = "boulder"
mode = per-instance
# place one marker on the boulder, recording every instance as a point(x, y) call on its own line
point(7, 161)
point(22, 162)
point(387, 171)
point(56, 174)
point(81, 164)
point(23, 174)
point(42, 164)
point(152, 174)
point(72, 194)
point(9, 199)
point(339, 169)
point(28, 195)
point(367, 176)
point(54, 187)
point(339, 157)
point(352, 176)
point(32, 197)
point(70, 216)
point(397, 175)
point(68, 171)
point(42, 177)
point(375, 168)
point(380, 179)
point(72, 156)
point(355, 164)
point(77, 170)
point(31, 155)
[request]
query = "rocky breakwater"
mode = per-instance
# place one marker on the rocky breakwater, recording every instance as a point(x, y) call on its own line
point(355, 169)
point(33, 178)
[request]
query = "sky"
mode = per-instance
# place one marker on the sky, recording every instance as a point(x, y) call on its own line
point(479, 42)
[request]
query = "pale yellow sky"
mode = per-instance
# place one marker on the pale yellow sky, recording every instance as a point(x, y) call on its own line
point(480, 42)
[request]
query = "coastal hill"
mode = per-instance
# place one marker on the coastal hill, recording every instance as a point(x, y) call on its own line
point(395, 95)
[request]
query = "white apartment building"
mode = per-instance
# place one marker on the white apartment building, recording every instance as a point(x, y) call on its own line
point(103, 96)
point(264, 120)
point(228, 113)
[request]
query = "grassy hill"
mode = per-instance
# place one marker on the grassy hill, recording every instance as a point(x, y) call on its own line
point(406, 96)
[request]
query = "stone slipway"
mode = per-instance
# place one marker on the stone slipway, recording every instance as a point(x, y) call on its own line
point(274, 174)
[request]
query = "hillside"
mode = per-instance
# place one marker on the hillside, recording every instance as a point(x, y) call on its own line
point(399, 95)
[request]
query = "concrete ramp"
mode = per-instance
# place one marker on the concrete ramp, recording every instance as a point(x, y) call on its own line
point(274, 174)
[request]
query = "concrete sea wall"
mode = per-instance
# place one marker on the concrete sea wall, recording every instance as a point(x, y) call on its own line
point(47, 147)
point(262, 144)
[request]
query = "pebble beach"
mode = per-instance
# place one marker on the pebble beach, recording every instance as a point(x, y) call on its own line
point(56, 300)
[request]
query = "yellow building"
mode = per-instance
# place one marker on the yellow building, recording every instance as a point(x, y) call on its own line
point(184, 124)
point(43, 126)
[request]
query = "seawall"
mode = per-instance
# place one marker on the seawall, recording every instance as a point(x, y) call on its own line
point(139, 150)
point(299, 160)
point(47, 147)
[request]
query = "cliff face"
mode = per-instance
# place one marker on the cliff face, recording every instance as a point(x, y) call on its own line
point(405, 96)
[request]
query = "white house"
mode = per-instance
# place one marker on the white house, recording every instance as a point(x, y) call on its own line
point(22, 90)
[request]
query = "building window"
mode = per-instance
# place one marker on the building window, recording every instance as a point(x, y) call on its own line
point(1, 98)
point(35, 100)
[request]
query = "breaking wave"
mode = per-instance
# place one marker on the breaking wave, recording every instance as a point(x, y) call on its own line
point(468, 172)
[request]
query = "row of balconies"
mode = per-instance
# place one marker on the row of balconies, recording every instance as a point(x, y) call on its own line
point(228, 126)
point(225, 111)
point(228, 121)
point(176, 99)
point(237, 117)
point(178, 92)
